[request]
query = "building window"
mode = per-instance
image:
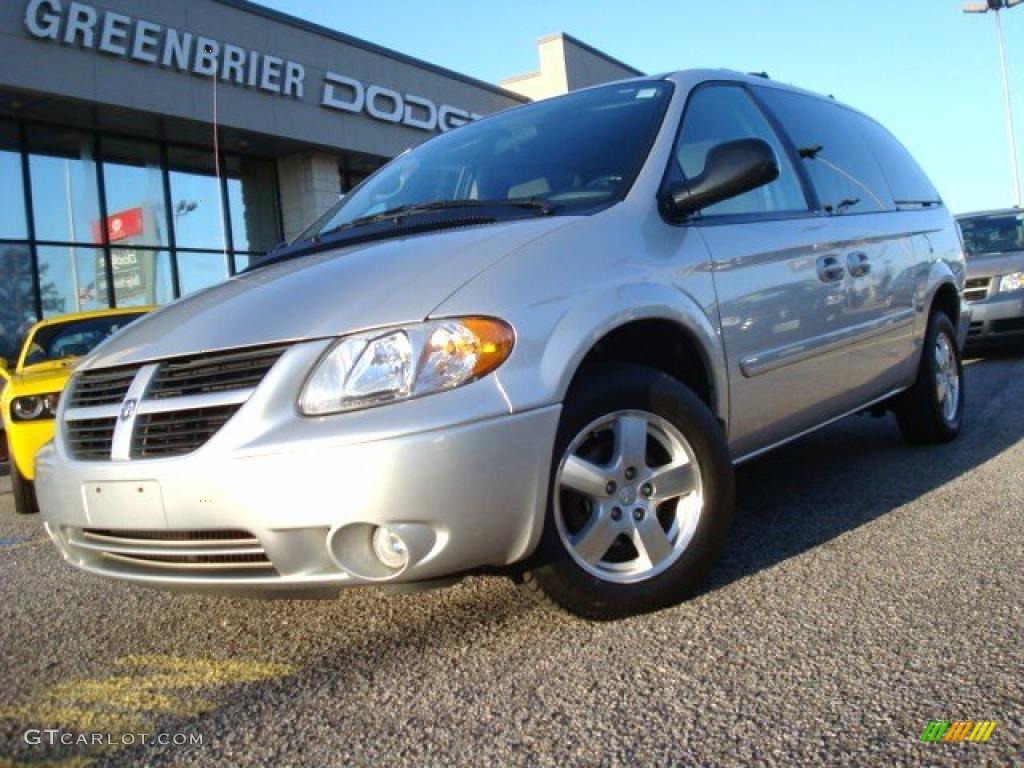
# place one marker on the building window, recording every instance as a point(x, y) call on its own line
point(196, 202)
point(13, 224)
point(141, 276)
point(252, 201)
point(72, 279)
point(17, 297)
point(157, 219)
point(134, 184)
point(198, 270)
point(64, 185)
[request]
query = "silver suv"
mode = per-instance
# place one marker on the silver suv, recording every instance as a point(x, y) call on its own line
point(538, 343)
point(994, 287)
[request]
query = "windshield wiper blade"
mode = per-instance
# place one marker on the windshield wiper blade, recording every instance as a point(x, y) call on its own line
point(539, 204)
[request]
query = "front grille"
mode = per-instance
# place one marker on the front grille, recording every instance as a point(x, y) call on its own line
point(976, 288)
point(187, 550)
point(209, 388)
point(102, 387)
point(176, 433)
point(91, 438)
point(213, 373)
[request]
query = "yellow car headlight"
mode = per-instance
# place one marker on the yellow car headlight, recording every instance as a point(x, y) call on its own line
point(34, 407)
point(392, 364)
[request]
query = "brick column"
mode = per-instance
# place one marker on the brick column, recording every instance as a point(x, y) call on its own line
point(310, 184)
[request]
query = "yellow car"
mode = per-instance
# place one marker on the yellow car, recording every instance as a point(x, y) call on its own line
point(33, 387)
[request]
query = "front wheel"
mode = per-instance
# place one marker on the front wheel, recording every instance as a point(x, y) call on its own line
point(22, 489)
point(641, 496)
point(932, 411)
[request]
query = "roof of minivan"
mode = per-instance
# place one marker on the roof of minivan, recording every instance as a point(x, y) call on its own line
point(688, 76)
point(992, 212)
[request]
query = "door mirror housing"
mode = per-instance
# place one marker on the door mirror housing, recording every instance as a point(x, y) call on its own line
point(731, 169)
point(5, 375)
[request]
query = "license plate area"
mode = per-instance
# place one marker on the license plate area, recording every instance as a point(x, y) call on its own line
point(124, 504)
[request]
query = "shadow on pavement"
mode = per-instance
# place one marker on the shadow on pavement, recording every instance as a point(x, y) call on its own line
point(833, 481)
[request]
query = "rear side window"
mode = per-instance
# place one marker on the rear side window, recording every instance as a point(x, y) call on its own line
point(845, 173)
point(717, 114)
point(909, 184)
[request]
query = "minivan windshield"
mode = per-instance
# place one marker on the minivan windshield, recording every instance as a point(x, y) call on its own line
point(993, 233)
point(578, 151)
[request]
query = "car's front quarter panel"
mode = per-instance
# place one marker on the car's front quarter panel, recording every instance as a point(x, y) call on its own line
point(564, 293)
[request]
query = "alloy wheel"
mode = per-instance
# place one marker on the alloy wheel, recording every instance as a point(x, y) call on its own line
point(628, 496)
point(947, 378)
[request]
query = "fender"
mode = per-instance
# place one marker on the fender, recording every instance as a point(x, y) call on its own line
point(588, 321)
point(940, 273)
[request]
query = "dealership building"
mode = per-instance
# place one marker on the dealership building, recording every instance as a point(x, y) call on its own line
point(149, 149)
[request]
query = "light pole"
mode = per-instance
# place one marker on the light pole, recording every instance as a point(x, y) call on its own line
point(996, 6)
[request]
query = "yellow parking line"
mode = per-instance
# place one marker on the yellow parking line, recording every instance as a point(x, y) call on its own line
point(142, 688)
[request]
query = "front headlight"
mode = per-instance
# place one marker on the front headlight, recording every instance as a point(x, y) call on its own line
point(384, 366)
point(34, 407)
point(1011, 282)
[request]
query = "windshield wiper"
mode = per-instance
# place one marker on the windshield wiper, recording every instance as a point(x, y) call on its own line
point(542, 206)
point(333, 235)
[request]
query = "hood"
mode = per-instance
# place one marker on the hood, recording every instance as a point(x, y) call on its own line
point(325, 294)
point(992, 264)
point(42, 378)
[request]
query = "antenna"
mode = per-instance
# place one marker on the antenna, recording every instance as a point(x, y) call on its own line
point(216, 163)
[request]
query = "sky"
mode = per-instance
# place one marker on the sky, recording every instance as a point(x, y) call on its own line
point(927, 71)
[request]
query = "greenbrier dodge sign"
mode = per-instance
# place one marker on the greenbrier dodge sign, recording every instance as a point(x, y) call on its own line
point(82, 25)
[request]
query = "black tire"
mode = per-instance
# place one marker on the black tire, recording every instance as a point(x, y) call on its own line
point(919, 410)
point(553, 573)
point(23, 490)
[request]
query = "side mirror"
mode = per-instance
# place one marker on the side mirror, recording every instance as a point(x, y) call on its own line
point(731, 169)
point(5, 375)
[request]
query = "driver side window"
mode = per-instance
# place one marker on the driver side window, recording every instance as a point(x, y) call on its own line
point(720, 113)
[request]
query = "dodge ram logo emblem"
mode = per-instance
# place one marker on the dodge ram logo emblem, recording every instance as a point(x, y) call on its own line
point(128, 409)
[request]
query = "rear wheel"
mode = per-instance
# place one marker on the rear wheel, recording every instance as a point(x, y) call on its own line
point(932, 411)
point(640, 499)
point(22, 488)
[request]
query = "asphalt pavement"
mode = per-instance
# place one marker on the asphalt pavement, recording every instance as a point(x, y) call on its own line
point(869, 588)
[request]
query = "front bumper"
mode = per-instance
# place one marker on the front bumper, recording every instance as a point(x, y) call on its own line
point(276, 503)
point(997, 318)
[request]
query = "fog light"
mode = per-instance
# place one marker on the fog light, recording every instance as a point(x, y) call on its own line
point(389, 548)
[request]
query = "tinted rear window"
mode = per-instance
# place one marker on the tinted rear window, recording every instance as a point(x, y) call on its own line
point(909, 184)
point(845, 173)
point(994, 233)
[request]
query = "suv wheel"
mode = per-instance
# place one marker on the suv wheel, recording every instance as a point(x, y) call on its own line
point(932, 411)
point(641, 496)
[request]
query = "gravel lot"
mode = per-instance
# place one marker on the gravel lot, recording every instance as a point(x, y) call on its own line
point(869, 587)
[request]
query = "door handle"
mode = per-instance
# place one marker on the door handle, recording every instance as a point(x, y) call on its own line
point(830, 269)
point(858, 263)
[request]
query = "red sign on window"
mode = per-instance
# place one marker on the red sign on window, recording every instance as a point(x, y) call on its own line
point(120, 225)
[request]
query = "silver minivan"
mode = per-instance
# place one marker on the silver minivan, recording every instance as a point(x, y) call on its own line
point(537, 344)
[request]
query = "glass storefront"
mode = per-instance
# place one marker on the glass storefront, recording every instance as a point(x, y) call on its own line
point(92, 220)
